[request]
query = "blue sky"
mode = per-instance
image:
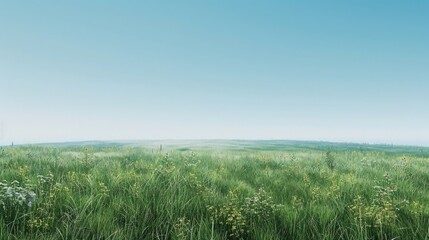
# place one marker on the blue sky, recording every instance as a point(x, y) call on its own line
point(355, 71)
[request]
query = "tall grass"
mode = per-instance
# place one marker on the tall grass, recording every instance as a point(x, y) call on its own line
point(140, 193)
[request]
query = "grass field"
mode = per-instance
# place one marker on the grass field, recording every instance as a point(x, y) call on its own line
point(214, 190)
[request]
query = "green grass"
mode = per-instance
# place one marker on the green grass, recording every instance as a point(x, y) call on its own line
point(214, 190)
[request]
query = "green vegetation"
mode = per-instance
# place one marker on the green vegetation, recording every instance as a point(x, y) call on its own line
point(220, 190)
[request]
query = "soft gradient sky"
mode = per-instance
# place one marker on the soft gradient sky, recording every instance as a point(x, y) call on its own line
point(307, 70)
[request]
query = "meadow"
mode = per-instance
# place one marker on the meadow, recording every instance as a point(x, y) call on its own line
point(214, 190)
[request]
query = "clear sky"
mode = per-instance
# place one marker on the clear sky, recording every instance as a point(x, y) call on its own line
point(355, 71)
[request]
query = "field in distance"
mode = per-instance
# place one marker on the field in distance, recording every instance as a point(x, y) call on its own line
point(214, 189)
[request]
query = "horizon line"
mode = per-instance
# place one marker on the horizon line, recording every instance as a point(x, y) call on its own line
point(13, 143)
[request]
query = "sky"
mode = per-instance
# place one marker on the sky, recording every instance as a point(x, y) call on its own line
point(343, 71)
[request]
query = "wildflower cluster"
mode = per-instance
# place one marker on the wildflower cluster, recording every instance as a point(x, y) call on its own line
point(366, 162)
point(42, 218)
point(297, 203)
point(164, 166)
point(385, 206)
point(16, 199)
point(237, 217)
point(22, 172)
point(102, 188)
point(360, 212)
point(182, 228)
point(404, 167)
point(383, 210)
point(13, 194)
point(260, 206)
point(230, 215)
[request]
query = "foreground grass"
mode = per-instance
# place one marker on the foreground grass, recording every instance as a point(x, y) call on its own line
point(140, 193)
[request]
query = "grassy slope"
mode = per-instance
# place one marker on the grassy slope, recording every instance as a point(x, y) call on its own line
point(215, 189)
